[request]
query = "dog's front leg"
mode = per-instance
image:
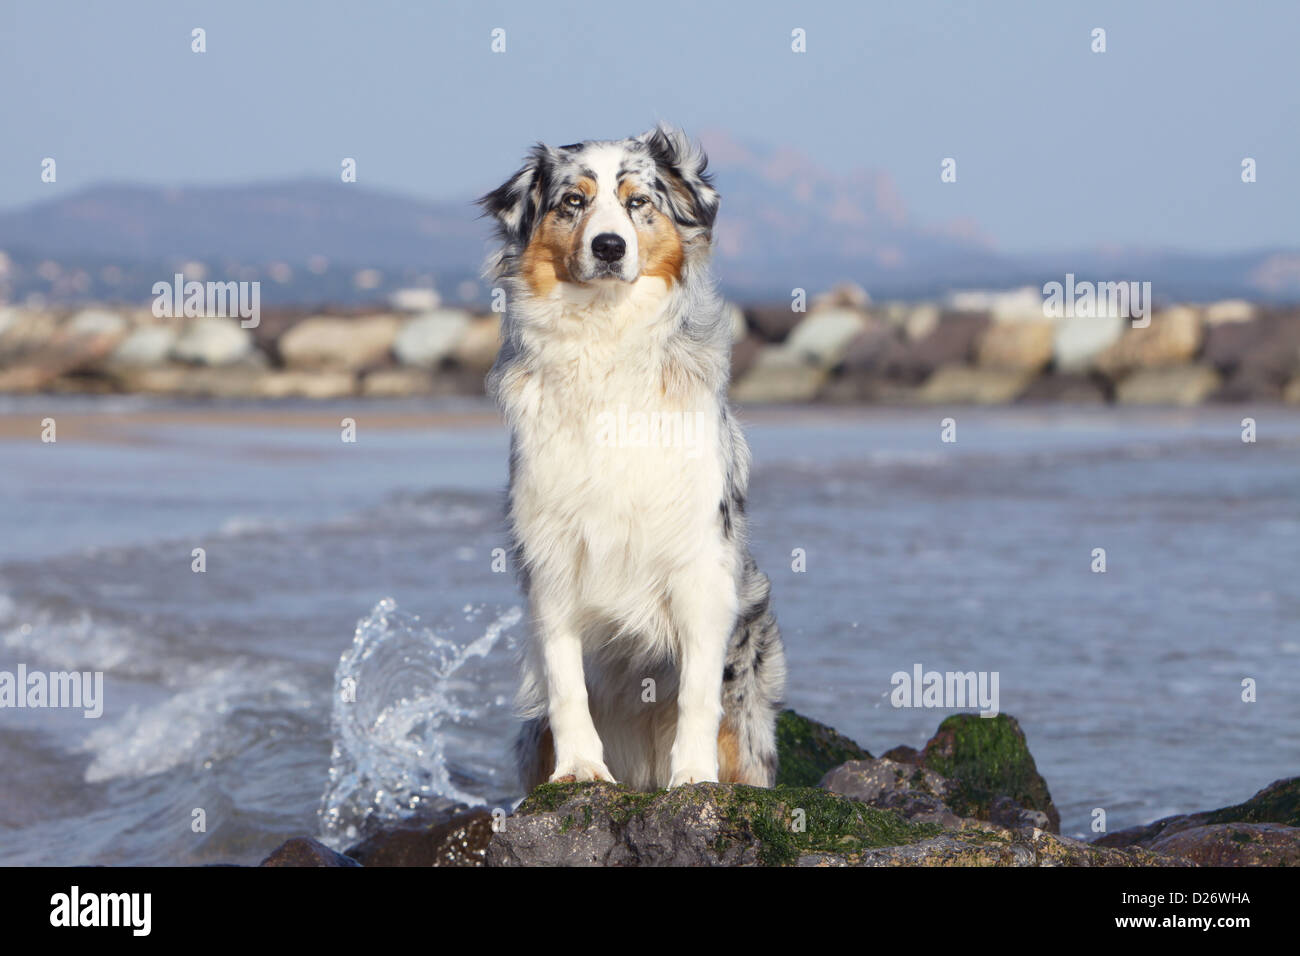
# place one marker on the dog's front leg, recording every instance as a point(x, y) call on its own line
point(704, 609)
point(578, 752)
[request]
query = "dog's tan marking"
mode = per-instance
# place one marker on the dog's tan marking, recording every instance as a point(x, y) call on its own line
point(729, 770)
point(544, 263)
point(662, 253)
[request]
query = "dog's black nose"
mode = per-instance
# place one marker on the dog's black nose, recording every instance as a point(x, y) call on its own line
point(608, 247)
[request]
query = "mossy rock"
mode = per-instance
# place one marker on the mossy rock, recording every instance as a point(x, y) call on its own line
point(807, 750)
point(1279, 802)
point(985, 759)
point(603, 824)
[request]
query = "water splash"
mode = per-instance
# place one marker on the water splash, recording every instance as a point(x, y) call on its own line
point(399, 693)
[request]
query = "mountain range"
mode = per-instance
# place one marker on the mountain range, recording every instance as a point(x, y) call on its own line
point(785, 223)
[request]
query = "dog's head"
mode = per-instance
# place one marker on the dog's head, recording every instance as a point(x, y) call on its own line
point(605, 211)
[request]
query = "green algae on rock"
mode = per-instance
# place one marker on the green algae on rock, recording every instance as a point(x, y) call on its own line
point(806, 750)
point(1262, 831)
point(599, 824)
point(1279, 802)
point(985, 759)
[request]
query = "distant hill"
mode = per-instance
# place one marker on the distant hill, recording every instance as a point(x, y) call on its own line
point(784, 223)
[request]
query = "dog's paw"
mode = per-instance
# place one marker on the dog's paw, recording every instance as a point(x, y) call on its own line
point(582, 771)
point(693, 775)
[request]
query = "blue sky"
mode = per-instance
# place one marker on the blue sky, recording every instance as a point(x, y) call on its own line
point(1057, 147)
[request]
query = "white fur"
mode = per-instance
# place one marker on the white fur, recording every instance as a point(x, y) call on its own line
point(623, 541)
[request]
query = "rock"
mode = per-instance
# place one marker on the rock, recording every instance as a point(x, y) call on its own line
point(1234, 844)
point(302, 851)
point(736, 320)
point(976, 845)
point(985, 758)
point(1229, 311)
point(780, 375)
point(921, 321)
point(330, 342)
point(952, 342)
point(1180, 385)
point(914, 792)
point(1248, 385)
point(964, 385)
point(397, 383)
point(36, 350)
point(1021, 346)
point(807, 750)
point(300, 384)
point(1015, 305)
point(414, 300)
point(1066, 389)
point(851, 388)
point(146, 345)
point(97, 322)
point(844, 295)
point(1228, 344)
point(744, 355)
point(868, 369)
point(478, 347)
point(23, 330)
point(460, 841)
point(1173, 338)
point(231, 381)
point(903, 754)
point(772, 322)
point(426, 340)
point(600, 824)
point(708, 824)
point(822, 338)
point(874, 351)
point(1078, 340)
point(212, 342)
point(272, 327)
point(1260, 355)
point(1279, 803)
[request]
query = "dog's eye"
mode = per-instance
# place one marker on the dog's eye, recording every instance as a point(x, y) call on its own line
point(636, 202)
point(573, 200)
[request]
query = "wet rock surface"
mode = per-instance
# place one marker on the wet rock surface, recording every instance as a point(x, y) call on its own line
point(303, 851)
point(1262, 831)
point(460, 841)
point(971, 797)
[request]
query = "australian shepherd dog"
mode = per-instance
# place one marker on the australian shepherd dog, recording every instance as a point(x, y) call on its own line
point(653, 658)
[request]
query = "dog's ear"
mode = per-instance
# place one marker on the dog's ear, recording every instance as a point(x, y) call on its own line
point(684, 184)
point(517, 204)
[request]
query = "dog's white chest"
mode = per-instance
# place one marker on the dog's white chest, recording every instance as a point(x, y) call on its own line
point(612, 473)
